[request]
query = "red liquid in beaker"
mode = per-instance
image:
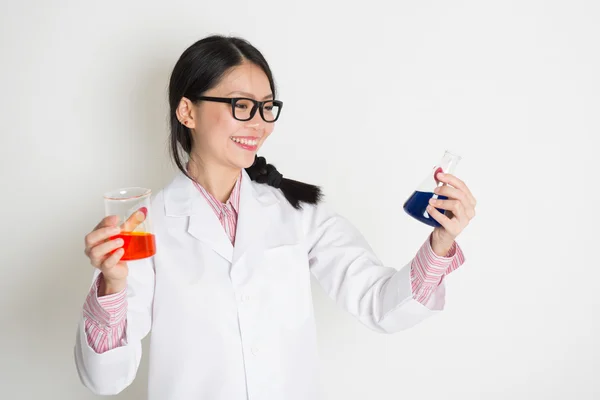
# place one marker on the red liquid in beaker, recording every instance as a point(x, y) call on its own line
point(137, 245)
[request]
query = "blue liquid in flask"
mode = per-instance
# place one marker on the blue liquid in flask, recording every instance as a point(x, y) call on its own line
point(416, 207)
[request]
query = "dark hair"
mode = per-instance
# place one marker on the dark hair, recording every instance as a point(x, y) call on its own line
point(200, 68)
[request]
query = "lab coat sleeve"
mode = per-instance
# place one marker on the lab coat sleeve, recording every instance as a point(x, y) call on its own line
point(110, 372)
point(344, 264)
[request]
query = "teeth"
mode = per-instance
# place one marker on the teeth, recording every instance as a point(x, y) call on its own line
point(247, 142)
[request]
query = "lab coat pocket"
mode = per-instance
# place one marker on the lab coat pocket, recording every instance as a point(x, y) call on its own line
point(288, 284)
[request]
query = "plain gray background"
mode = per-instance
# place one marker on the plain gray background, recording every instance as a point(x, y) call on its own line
point(374, 93)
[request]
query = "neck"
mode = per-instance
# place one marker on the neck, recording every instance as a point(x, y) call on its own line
point(218, 180)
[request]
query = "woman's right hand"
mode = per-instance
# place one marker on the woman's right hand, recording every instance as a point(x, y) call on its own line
point(105, 254)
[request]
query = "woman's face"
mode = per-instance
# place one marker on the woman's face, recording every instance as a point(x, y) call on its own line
point(218, 137)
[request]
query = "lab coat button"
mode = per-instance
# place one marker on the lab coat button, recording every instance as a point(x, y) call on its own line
point(255, 350)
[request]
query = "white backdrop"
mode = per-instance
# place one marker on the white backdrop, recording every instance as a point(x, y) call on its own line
point(374, 93)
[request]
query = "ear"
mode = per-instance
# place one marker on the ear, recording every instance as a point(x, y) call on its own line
point(185, 113)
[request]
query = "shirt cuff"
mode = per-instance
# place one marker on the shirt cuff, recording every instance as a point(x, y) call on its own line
point(429, 269)
point(453, 259)
point(107, 311)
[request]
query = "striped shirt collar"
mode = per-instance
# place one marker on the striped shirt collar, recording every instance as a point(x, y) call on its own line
point(233, 201)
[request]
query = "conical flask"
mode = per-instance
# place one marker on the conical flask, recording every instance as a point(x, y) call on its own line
point(416, 205)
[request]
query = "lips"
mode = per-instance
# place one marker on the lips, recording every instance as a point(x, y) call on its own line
point(246, 142)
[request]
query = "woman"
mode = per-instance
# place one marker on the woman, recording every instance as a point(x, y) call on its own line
point(227, 294)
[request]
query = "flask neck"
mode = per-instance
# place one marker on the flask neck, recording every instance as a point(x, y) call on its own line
point(449, 162)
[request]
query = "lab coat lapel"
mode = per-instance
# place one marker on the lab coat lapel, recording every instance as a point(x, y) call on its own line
point(206, 227)
point(184, 199)
point(254, 217)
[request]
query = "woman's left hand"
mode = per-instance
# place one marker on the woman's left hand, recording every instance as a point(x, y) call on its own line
point(460, 210)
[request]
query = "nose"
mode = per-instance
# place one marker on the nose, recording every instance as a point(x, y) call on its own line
point(257, 119)
point(252, 124)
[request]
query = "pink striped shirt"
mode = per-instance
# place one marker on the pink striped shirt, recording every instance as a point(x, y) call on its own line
point(228, 212)
point(106, 317)
point(427, 269)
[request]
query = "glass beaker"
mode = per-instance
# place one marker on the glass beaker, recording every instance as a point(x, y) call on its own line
point(416, 205)
point(132, 207)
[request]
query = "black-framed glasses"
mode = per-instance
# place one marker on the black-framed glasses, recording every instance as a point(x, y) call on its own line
point(244, 109)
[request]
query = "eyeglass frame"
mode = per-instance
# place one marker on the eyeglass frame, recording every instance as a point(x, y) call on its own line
point(258, 105)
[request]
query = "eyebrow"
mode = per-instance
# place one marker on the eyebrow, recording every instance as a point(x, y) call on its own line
point(269, 96)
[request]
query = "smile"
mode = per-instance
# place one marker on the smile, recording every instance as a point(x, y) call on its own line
point(247, 143)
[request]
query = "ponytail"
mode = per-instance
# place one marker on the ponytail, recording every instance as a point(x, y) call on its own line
point(295, 192)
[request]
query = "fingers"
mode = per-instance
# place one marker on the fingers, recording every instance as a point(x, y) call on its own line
point(98, 236)
point(113, 260)
point(453, 193)
point(134, 220)
point(455, 206)
point(98, 247)
point(464, 209)
point(98, 253)
point(458, 184)
point(439, 217)
point(111, 220)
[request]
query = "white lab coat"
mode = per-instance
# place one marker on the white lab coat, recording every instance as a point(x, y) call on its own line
point(236, 323)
